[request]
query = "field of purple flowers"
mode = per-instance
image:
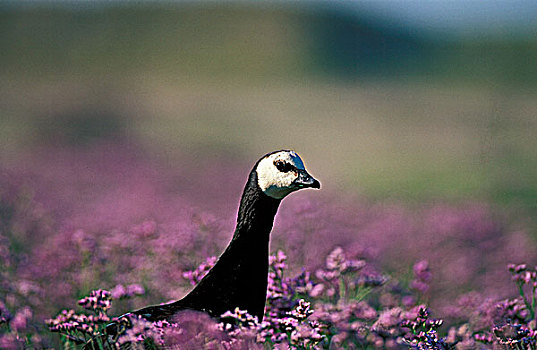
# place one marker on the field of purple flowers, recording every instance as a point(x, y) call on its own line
point(114, 229)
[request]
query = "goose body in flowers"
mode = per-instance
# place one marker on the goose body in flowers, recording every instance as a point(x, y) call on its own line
point(239, 277)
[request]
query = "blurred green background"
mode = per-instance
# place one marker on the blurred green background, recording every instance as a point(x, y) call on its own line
point(379, 107)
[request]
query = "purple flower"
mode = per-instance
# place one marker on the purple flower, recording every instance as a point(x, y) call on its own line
point(135, 289)
point(195, 276)
point(420, 286)
point(302, 310)
point(97, 300)
point(119, 291)
point(19, 323)
point(335, 260)
point(421, 271)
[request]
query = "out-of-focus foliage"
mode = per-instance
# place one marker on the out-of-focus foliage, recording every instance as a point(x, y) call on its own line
point(386, 110)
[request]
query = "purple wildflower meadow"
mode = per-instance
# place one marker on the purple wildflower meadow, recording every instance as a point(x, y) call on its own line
point(353, 275)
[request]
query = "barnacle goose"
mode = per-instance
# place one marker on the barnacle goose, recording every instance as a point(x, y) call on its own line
point(239, 277)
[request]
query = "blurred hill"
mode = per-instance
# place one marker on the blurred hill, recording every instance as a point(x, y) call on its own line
point(248, 41)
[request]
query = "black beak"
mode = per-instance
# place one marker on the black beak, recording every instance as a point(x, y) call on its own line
point(305, 180)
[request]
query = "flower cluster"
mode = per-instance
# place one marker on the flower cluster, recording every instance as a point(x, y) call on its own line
point(344, 278)
point(293, 328)
point(516, 336)
point(526, 281)
point(121, 292)
point(78, 328)
point(195, 276)
point(98, 300)
point(240, 318)
point(286, 313)
point(141, 331)
point(422, 277)
point(111, 216)
point(423, 332)
point(383, 319)
point(508, 323)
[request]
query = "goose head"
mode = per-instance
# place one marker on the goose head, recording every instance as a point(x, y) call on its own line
point(281, 173)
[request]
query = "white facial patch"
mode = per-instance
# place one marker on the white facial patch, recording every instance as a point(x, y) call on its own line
point(274, 182)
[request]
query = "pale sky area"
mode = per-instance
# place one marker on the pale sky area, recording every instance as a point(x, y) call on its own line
point(459, 17)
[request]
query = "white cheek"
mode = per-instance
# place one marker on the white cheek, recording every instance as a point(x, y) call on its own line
point(273, 182)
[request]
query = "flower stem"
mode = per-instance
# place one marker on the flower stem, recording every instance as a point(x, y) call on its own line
point(532, 310)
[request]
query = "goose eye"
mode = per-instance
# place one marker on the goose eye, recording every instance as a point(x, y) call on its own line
point(283, 166)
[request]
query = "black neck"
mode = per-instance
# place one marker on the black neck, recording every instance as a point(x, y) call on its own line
point(256, 212)
point(239, 278)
